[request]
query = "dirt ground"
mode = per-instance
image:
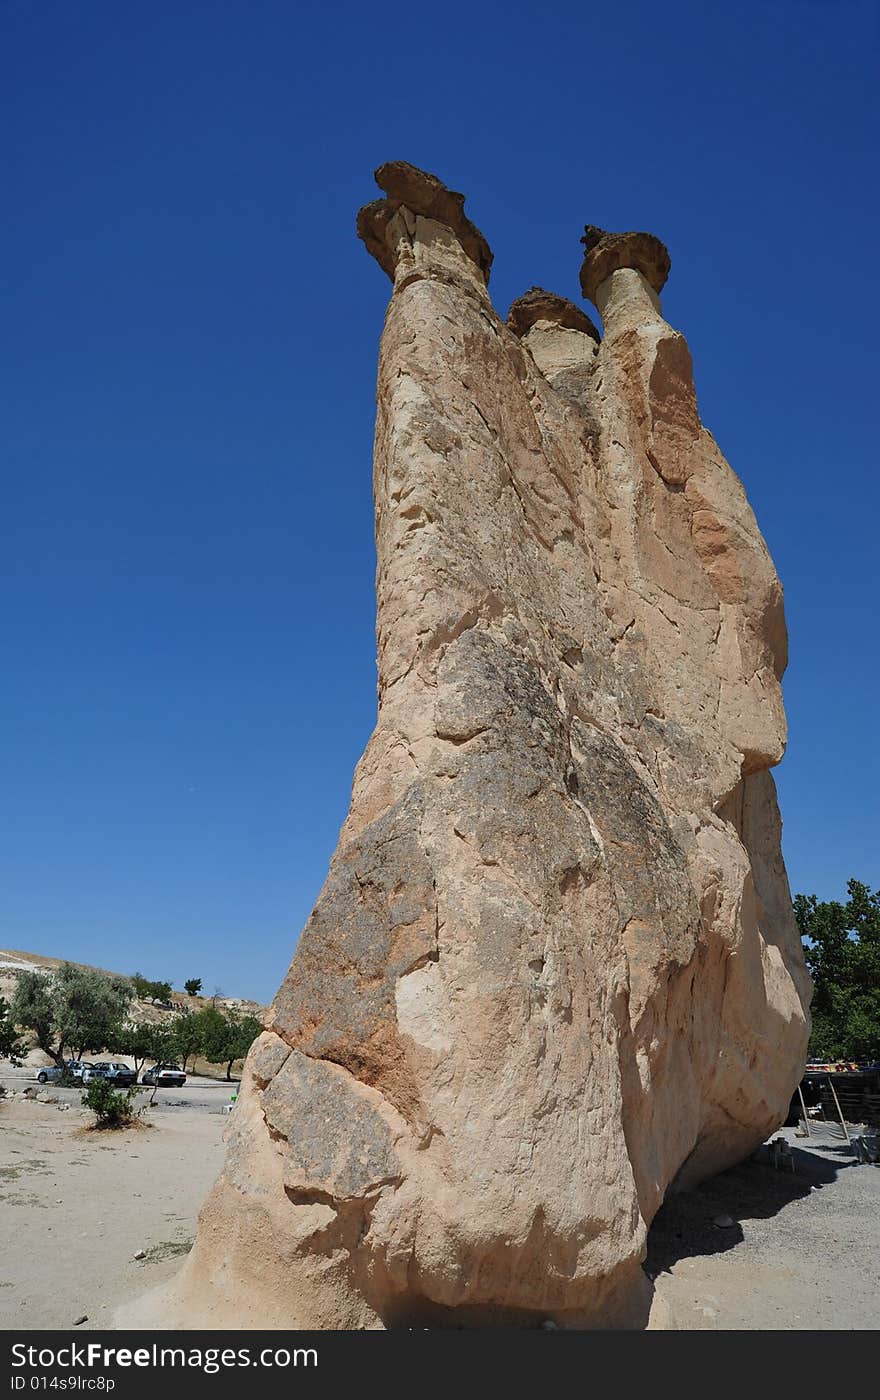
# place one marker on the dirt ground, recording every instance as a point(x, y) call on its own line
point(76, 1206)
point(799, 1251)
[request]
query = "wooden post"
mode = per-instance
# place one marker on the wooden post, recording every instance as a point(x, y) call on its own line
point(840, 1112)
point(804, 1107)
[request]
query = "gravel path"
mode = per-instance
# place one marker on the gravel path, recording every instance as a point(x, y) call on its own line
point(802, 1251)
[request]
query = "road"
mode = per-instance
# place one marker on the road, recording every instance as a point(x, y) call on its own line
point(204, 1095)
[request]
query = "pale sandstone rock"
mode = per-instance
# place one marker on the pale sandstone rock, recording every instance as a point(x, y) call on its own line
point(561, 339)
point(553, 971)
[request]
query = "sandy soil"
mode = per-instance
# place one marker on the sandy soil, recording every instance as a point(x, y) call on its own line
point(76, 1206)
point(800, 1251)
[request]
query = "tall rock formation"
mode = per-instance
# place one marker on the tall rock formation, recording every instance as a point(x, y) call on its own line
point(553, 971)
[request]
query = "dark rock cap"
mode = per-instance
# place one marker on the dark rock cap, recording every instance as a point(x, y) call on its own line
point(538, 305)
point(424, 194)
point(606, 252)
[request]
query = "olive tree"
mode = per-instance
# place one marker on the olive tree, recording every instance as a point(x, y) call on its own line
point(74, 1009)
point(143, 1041)
point(11, 1048)
point(224, 1037)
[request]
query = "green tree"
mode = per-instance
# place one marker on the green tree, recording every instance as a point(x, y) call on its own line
point(11, 1048)
point(243, 1031)
point(74, 1009)
point(842, 949)
point(143, 1041)
point(193, 986)
point(161, 1044)
point(32, 1007)
point(185, 1038)
point(225, 1037)
point(209, 1027)
point(150, 991)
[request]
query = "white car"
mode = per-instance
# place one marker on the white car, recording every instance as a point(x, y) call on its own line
point(74, 1069)
point(164, 1076)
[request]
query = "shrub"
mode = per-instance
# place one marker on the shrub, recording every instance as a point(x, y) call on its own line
point(111, 1108)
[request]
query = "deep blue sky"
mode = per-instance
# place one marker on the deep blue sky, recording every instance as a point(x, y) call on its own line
point(188, 378)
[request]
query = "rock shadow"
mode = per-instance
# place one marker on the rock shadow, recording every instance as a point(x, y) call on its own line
point(685, 1225)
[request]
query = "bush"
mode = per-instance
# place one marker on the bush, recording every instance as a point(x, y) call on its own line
point(111, 1108)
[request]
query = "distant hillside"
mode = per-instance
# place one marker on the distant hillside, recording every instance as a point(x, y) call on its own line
point(13, 961)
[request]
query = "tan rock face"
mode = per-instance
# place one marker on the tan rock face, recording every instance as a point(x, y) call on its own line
point(553, 970)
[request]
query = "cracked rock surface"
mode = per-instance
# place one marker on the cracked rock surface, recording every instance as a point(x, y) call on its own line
point(553, 971)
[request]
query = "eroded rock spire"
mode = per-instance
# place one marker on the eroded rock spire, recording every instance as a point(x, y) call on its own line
point(390, 227)
point(605, 253)
point(554, 967)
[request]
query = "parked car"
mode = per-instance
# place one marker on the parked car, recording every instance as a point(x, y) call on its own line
point(164, 1076)
point(118, 1074)
point(74, 1068)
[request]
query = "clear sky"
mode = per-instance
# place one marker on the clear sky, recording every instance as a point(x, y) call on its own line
point(189, 358)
